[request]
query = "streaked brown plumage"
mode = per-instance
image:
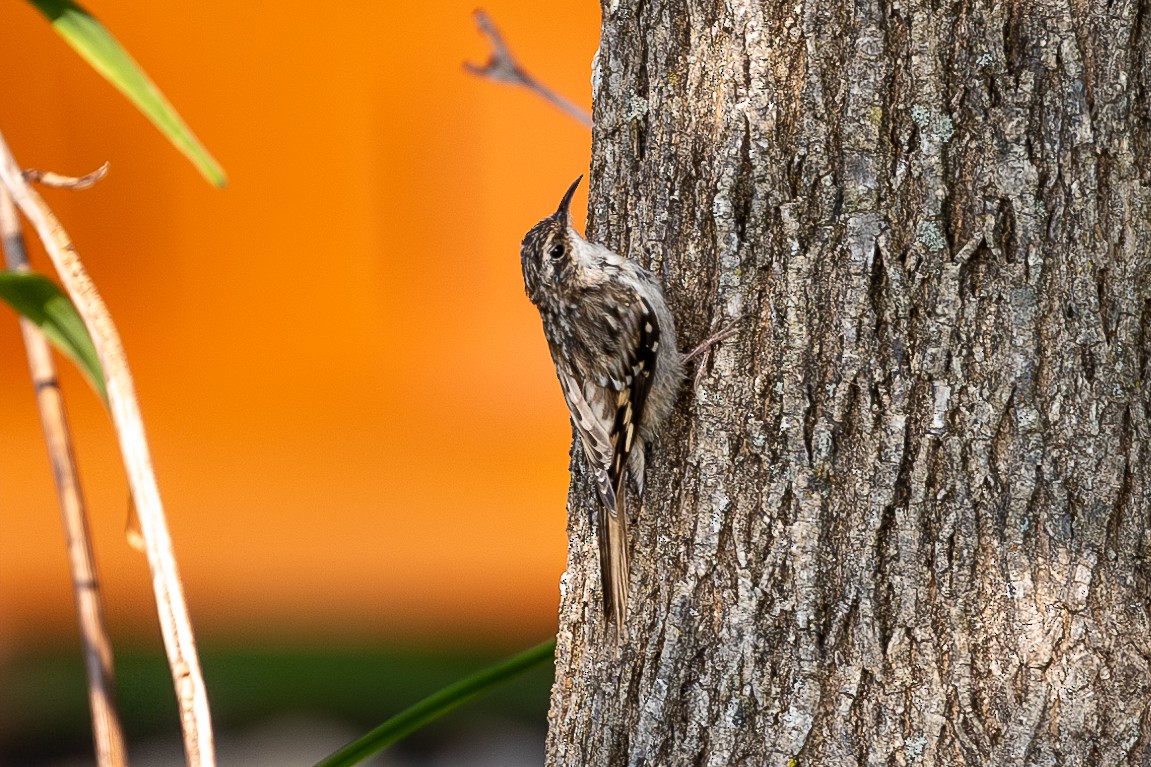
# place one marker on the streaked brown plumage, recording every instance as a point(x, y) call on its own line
point(612, 339)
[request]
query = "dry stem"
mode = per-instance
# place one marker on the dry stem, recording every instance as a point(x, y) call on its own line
point(107, 732)
point(175, 626)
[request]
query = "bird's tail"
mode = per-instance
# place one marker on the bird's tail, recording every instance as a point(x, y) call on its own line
point(614, 560)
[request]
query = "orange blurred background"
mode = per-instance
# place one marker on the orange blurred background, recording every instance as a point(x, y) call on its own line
point(354, 421)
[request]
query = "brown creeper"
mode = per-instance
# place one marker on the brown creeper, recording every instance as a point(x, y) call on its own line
point(612, 339)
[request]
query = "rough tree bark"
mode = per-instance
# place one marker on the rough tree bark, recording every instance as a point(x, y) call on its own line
point(903, 516)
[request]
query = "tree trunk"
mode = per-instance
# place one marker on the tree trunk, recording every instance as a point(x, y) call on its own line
point(901, 517)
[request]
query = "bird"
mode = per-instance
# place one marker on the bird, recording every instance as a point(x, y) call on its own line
point(612, 339)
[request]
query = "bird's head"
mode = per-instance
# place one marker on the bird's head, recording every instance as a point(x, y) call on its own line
point(549, 252)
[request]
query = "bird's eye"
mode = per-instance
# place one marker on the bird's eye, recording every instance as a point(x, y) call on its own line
point(557, 250)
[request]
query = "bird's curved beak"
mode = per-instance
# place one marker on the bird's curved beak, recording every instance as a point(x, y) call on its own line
point(564, 211)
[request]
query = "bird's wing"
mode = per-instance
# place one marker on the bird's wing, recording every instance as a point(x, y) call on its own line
point(606, 407)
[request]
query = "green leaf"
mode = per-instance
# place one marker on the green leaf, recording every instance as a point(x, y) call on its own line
point(98, 47)
point(436, 705)
point(38, 299)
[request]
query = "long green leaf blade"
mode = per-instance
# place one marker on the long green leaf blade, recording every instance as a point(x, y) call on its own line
point(436, 705)
point(38, 299)
point(103, 52)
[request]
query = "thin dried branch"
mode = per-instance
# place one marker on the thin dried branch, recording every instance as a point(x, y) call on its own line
point(107, 732)
point(703, 350)
point(48, 178)
point(503, 67)
point(175, 626)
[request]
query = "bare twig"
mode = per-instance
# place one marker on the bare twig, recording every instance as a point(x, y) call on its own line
point(703, 350)
point(107, 732)
point(503, 67)
point(176, 628)
point(48, 178)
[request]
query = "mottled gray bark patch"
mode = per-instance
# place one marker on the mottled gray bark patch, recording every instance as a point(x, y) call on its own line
point(903, 516)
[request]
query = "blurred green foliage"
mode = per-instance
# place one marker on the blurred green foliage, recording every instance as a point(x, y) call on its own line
point(45, 711)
